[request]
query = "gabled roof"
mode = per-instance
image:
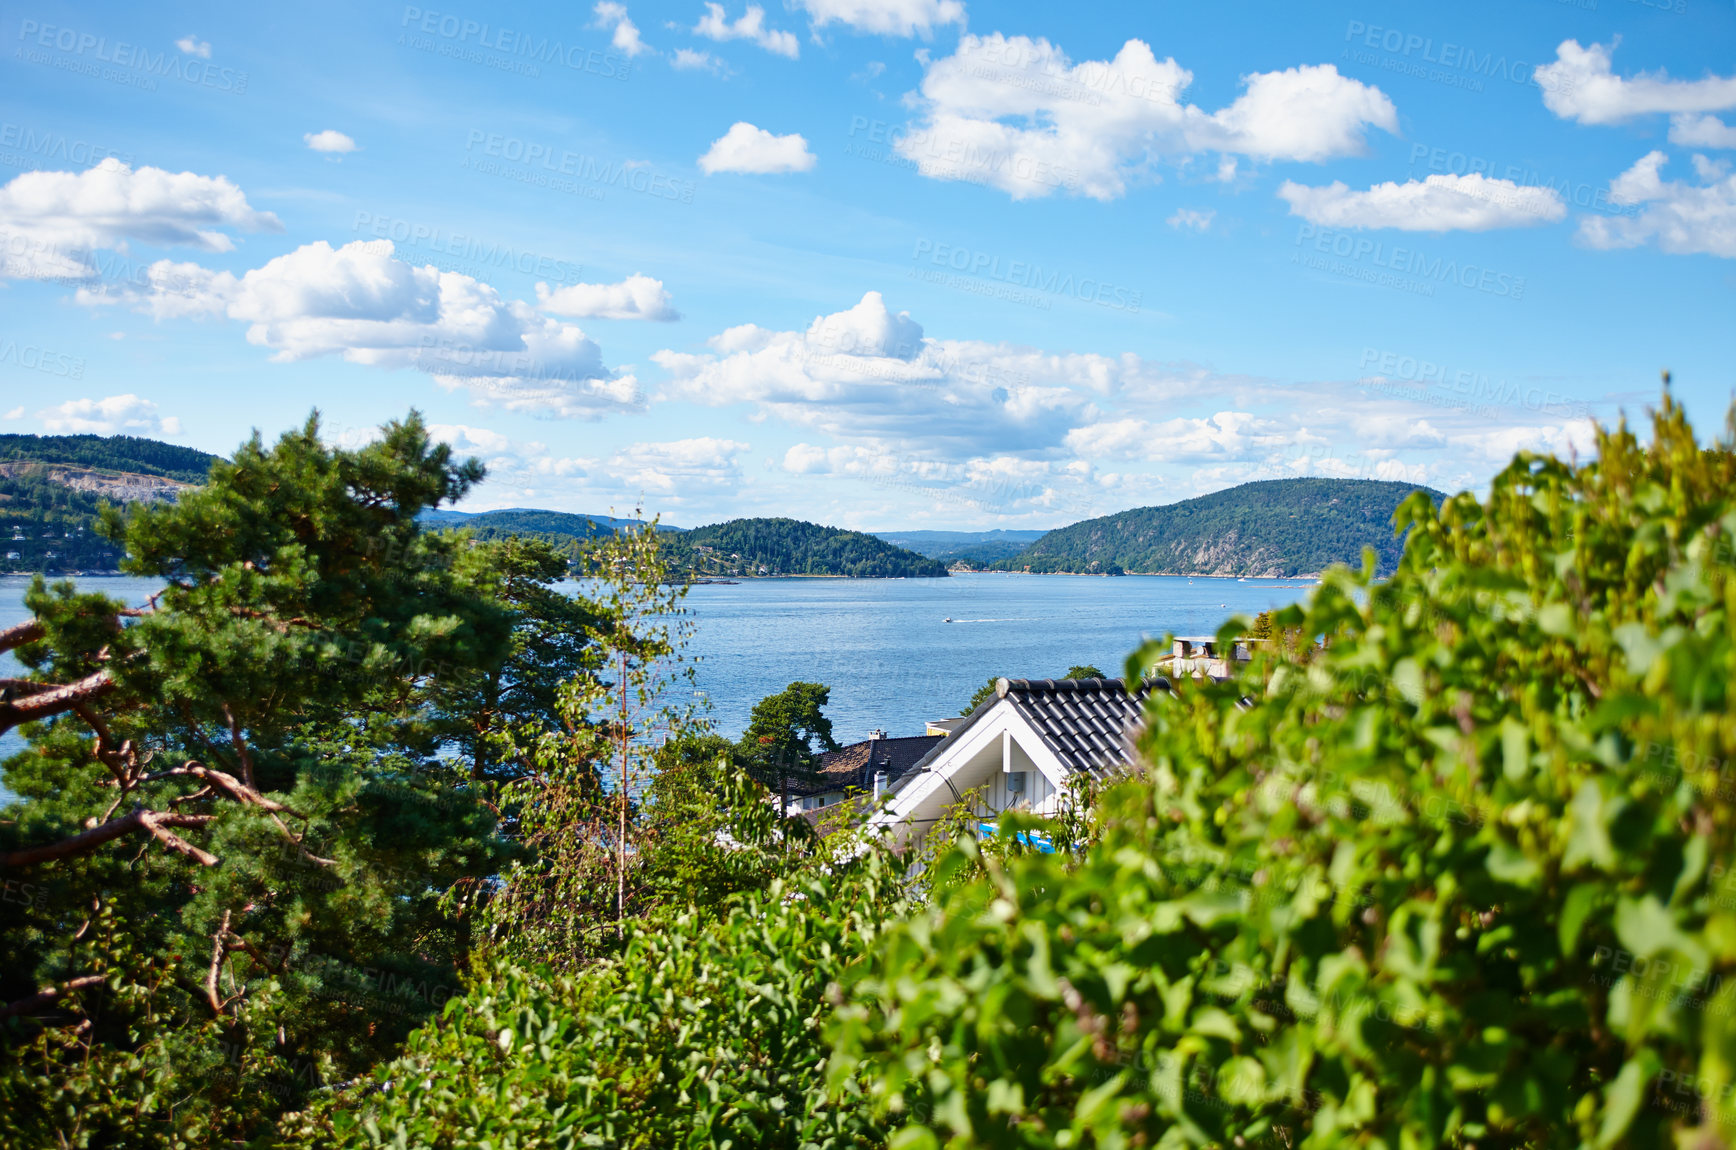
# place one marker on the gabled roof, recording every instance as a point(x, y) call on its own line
point(1088, 724)
point(851, 767)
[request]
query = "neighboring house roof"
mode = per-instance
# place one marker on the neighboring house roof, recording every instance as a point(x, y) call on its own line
point(854, 767)
point(1087, 724)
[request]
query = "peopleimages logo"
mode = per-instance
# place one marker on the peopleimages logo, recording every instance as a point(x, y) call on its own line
point(1025, 274)
point(23, 147)
point(469, 253)
point(445, 34)
point(1376, 256)
point(137, 66)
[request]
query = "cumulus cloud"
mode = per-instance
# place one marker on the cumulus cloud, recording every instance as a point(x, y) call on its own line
point(52, 222)
point(714, 25)
point(109, 416)
point(329, 141)
point(1580, 85)
point(1690, 131)
point(869, 375)
point(193, 46)
point(1680, 218)
point(636, 297)
point(886, 17)
point(677, 467)
point(1019, 115)
point(626, 39)
point(1194, 219)
point(689, 60)
point(1440, 203)
point(361, 303)
point(1227, 435)
point(745, 148)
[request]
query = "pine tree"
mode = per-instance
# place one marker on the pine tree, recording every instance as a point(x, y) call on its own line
point(242, 853)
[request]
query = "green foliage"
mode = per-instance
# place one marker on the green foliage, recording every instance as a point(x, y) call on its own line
point(1459, 877)
point(708, 1030)
point(574, 802)
point(56, 523)
point(124, 453)
point(792, 547)
point(785, 736)
point(288, 917)
point(488, 710)
point(1273, 527)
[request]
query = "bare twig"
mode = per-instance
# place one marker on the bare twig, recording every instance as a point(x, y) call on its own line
point(240, 743)
point(219, 947)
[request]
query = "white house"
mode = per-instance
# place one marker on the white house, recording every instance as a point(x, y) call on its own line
point(1021, 747)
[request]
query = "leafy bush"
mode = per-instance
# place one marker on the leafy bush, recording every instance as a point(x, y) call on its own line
point(706, 1031)
point(1459, 876)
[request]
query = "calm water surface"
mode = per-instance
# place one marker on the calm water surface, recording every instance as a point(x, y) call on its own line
point(883, 645)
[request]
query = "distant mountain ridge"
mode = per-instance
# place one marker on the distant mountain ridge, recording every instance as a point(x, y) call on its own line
point(125, 453)
point(973, 548)
point(753, 547)
point(1274, 527)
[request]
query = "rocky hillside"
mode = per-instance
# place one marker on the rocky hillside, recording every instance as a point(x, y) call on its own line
point(1278, 527)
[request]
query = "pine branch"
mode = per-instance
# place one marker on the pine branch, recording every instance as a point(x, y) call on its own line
point(19, 634)
point(155, 823)
point(55, 700)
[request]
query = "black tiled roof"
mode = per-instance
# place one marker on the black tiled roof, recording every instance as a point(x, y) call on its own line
point(1088, 723)
point(850, 768)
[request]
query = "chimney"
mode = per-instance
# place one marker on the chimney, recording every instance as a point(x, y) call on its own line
point(879, 784)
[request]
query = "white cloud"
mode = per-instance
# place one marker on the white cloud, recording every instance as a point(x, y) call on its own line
point(886, 17)
point(359, 302)
point(1440, 203)
point(15, 413)
point(1690, 131)
point(1192, 218)
point(1019, 115)
point(687, 59)
point(193, 46)
point(1228, 435)
point(1680, 218)
point(870, 376)
point(636, 297)
point(329, 141)
point(52, 222)
point(1580, 86)
point(677, 467)
point(714, 25)
point(108, 416)
point(745, 148)
point(467, 440)
point(626, 39)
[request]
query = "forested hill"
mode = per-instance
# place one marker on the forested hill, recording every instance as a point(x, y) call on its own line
point(792, 547)
point(124, 453)
point(1275, 527)
point(52, 485)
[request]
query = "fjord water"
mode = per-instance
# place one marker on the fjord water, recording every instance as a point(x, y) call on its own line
point(883, 645)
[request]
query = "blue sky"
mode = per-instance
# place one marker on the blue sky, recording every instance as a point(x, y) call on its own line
point(876, 263)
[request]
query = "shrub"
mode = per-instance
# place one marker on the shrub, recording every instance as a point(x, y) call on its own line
point(1459, 875)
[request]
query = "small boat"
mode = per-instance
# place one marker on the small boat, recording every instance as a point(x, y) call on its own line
point(948, 619)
